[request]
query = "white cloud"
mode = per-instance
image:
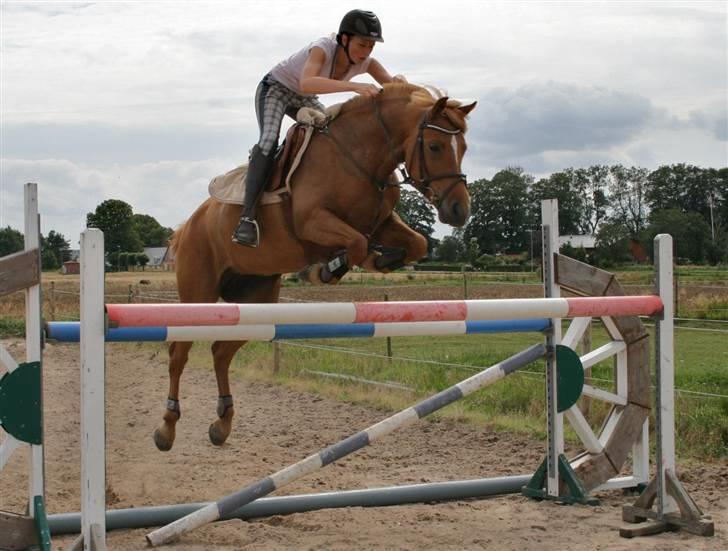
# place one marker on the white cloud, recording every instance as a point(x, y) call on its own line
point(145, 100)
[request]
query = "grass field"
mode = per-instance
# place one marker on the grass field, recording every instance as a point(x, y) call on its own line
point(424, 365)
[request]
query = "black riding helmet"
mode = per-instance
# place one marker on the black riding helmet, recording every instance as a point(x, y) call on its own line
point(359, 23)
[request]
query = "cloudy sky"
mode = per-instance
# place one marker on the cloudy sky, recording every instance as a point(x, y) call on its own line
point(147, 101)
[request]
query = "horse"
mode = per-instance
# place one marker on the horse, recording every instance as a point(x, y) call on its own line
point(340, 213)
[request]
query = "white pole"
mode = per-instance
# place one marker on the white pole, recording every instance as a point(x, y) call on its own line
point(93, 366)
point(33, 332)
point(555, 420)
point(665, 373)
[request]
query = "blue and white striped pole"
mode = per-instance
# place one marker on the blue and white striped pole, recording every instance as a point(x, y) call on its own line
point(312, 463)
point(69, 331)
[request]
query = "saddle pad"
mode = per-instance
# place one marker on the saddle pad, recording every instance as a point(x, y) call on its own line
point(230, 187)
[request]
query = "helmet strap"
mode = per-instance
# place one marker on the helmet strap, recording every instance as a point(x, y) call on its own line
point(346, 48)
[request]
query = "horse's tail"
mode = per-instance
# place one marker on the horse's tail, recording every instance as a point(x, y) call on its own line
point(174, 240)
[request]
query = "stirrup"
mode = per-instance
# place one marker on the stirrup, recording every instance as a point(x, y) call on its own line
point(242, 238)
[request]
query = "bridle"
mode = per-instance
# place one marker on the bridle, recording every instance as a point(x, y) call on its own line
point(424, 183)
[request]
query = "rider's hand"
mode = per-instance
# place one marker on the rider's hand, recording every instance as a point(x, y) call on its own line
point(399, 79)
point(368, 90)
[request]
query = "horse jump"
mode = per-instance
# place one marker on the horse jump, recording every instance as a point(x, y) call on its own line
point(628, 347)
point(21, 387)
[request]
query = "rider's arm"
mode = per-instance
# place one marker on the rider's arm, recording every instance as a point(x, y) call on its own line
point(381, 75)
point(311, 83)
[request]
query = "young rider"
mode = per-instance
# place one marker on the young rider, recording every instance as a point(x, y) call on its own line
point(325, 66)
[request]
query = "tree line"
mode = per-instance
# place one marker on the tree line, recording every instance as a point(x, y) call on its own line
point(621, 206)
point(125, 236)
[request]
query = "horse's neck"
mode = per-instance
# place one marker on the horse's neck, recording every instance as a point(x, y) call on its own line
point(381, 131)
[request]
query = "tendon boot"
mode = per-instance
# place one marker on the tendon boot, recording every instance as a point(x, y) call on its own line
point(259, 170)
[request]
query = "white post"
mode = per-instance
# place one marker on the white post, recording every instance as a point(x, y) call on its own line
point(665, 373)
point(555, 420)
point(33, 331)
point(93, 366)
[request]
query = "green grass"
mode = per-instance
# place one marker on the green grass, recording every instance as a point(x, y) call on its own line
point(10, 327)
point(513, 404)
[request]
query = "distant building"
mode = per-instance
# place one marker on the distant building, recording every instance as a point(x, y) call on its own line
point(586, 242)
point(156, 256)
point(71, 267)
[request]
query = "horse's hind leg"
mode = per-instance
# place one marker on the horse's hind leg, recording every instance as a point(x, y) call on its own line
point(238, 289)
point(164, 434)
point(222, 354)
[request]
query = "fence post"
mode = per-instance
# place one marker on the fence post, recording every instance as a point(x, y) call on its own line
point(276, 357)
point(53, 301)
point(389, 339)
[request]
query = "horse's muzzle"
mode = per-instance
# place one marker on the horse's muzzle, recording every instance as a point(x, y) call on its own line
point(454, 211)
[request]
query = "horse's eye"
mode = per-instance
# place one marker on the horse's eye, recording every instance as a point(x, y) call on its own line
point(435, 147)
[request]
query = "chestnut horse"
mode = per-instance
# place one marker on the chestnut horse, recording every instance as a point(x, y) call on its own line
point(341, 204)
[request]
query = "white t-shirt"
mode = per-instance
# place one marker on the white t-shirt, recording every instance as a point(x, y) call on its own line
point(288, 72)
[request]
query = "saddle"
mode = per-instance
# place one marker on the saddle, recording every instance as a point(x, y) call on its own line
point(230, 187)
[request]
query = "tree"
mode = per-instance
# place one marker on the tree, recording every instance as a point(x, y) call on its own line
point(627, 187)
point(114, 218)
point(612, 246)
point(591, 185)
point(500, 212)
point(11, 241)
point(48, 260)
point(143, 260)
point(450, 249)
point(571, 205)
point(57, 244)
point(151, 232)
point(690, 233)
point(418, 214)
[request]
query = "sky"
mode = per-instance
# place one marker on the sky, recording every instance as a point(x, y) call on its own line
point(147, 101)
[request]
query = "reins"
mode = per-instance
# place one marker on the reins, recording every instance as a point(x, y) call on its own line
point(424, 183)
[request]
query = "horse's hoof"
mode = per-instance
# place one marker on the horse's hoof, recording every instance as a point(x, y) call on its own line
point(217, 436)
point(163, 443)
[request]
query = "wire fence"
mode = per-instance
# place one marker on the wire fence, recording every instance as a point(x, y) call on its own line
point(135, 295)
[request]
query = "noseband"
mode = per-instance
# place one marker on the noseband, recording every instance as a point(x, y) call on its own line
point(425, 181)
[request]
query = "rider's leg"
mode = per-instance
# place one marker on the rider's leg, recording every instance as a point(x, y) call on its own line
point(271, 101)
point(259, 170)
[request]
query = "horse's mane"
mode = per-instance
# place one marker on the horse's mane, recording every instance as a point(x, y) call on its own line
point(420, 96)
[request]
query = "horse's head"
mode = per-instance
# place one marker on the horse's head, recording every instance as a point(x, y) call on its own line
point(435, 151)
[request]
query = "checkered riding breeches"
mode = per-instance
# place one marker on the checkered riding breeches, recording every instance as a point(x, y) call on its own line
point(272, 101)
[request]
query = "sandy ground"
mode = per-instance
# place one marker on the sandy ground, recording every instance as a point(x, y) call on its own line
point(275, 427)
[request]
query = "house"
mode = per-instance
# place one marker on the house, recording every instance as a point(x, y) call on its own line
point(586, 242)
point(71, 267)
point(156, 256)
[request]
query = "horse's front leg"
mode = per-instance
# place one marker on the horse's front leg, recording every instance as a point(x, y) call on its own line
point(409, 246)
point(222, 354)
point(327, 230)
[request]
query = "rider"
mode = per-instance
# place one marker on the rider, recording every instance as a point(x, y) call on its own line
point(325, 66)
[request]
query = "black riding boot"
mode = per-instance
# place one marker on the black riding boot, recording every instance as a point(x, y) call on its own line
point(258, 172)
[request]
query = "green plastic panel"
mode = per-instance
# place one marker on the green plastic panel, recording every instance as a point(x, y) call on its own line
point(20, 403)
point(569, 377)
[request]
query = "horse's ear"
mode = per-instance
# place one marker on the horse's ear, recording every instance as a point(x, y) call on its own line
point(438, 108)
point(466, 109)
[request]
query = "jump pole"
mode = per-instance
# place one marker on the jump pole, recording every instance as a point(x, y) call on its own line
point(229, 315)
point(150, 517)
point(314, 462)
point(69, 331)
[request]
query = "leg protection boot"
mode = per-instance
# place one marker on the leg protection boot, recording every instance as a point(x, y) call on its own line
point(259, 170)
